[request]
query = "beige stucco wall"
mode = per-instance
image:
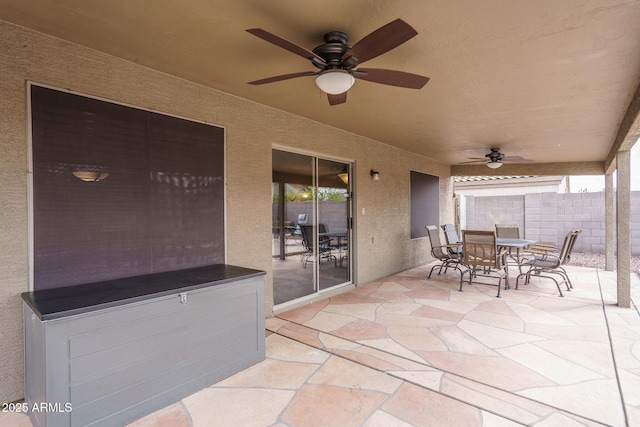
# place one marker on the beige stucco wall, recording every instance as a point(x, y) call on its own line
point(383, 244)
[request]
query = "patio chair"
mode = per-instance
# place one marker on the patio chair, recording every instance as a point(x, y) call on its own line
point(512, 231)
point(336, 241)
point(550, 266)
point(440, 251)
point(452, 239)
point(509, 231)
point(324, 247)
point(480, 257)
point(324, 240)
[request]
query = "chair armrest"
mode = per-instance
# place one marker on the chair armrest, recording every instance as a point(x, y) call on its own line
point(537, 251)
point(543, 247)
point(500, 256)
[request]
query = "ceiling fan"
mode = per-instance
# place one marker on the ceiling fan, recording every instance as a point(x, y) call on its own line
point(494, 159)
point(337, 60)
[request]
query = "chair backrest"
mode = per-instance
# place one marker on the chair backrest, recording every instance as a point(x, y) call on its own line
point(303, 218)
point(480, 249)
point(567, 246)
point(307, 236)
point(451, 237)
point(508, 231)
point(323, 240)
point(434, 238)
point(450, 234)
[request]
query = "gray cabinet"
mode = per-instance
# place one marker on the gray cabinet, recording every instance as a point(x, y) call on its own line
point(110, 363)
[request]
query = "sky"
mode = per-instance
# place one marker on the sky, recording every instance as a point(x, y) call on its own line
point(592, 183)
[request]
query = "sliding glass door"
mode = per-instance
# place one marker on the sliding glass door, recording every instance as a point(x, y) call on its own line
point(311, 231)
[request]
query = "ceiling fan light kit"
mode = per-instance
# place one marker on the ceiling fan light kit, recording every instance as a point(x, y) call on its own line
point(338, 61)
point(335, 81)
point(494, 165)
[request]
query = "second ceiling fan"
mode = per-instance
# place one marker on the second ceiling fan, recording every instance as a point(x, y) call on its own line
point(337, 61)
point(494, 159)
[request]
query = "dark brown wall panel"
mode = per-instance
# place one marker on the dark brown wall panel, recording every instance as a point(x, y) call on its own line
point(425, 202)
point(160, 208)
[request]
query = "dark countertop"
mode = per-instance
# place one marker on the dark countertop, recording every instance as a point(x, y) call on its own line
point(49, 304)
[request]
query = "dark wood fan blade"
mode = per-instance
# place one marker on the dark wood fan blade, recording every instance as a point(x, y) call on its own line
point(474, 161)
point(518, 159)
point(392, 78)
point(285, 44)
point(282, 77)
point(337, 99)
point(381, 41)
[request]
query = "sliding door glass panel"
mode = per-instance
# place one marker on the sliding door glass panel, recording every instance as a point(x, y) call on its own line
point(293, 211)
point(333, 202)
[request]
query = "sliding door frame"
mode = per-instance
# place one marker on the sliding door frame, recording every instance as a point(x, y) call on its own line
point(350, 221)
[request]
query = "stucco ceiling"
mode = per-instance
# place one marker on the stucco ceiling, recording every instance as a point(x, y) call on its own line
point(548, 80)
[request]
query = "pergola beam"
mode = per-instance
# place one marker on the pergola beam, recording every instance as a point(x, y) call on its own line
point(526, 169)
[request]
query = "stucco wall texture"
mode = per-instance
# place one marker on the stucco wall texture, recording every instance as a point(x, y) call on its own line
point(382, 240)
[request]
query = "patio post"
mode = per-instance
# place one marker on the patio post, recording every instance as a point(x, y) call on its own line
point(610, 222)
point(623, 221)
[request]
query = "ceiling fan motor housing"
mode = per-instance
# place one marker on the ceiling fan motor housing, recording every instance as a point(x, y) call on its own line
point(332, 51)
point(495, 155)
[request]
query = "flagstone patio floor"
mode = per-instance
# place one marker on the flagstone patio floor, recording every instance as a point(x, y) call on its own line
point(409, 351)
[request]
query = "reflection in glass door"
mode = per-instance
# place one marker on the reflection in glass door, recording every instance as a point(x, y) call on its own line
point(310, 233)
point(333, 203)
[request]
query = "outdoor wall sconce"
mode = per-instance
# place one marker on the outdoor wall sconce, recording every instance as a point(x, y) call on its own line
point(375, 175)
point(91, 176)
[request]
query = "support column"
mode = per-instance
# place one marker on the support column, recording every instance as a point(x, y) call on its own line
point(610, 222)
point(623, 220)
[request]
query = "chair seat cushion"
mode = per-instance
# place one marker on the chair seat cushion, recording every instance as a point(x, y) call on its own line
point(545, 263)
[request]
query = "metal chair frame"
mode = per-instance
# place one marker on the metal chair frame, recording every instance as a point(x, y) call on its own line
point(324, 249)
point(453, 240)
point(440, 251)
point(481, 254)
point(550, 266)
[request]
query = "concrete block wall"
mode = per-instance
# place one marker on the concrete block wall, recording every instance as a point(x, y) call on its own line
point(548, 217)
point(333, 213)
point(485, 212)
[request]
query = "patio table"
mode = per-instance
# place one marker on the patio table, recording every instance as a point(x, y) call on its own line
point(511, 243)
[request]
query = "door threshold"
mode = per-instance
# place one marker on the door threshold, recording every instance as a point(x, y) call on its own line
point(310, 299)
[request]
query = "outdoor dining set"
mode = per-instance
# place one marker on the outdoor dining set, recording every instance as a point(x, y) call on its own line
point(481, 254)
